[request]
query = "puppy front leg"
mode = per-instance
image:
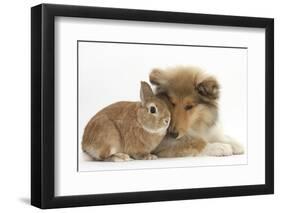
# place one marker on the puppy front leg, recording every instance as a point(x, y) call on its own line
point(180, 148)
point(237, 148)
point(217, 149)
point(222, 141)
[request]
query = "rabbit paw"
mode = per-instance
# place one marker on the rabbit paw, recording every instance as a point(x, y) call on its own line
point(145, 157)
point(150, 157)
point(119, 157)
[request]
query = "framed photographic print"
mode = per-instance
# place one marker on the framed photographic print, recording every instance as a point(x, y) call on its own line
point(139, 106)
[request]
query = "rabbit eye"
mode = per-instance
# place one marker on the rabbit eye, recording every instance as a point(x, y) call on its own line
point(152, 110)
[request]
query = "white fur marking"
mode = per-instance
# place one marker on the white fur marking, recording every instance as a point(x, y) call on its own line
point(217, 149)
point(160, 131)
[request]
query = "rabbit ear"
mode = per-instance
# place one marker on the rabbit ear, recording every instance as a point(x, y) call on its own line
point(146, 92)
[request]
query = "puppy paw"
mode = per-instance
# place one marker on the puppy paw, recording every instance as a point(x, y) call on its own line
point(237, 148)
point(218, 149)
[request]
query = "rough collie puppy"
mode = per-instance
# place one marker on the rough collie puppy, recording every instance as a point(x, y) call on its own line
point(192, 97)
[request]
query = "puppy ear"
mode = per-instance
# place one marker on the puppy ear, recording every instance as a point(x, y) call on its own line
point(146, 92)
point(208, 88)
point(157, 77)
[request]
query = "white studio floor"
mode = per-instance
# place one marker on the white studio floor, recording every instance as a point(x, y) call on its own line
point(86, 164)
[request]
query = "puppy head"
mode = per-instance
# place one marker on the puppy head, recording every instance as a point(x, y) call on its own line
point(191, 96)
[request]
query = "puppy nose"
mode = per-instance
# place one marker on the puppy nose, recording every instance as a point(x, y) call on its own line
point(174, 134)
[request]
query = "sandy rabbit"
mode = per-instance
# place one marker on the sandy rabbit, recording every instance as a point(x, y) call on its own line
point(126, 130)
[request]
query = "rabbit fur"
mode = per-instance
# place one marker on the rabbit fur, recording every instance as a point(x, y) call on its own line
point(127, 130)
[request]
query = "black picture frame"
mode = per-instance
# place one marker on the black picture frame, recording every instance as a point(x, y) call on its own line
point(43, 102)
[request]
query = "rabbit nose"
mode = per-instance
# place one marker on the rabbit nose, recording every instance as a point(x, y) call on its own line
point(166, 121)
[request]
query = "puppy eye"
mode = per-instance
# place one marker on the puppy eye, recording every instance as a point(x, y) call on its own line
point(188, 107)
point(172, 103)
point(152, 110)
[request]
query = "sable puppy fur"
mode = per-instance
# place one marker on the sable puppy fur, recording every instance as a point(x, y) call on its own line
point(192, 97)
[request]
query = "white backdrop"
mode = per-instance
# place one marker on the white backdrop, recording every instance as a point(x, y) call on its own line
point(15, 106)
point(111, 72)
